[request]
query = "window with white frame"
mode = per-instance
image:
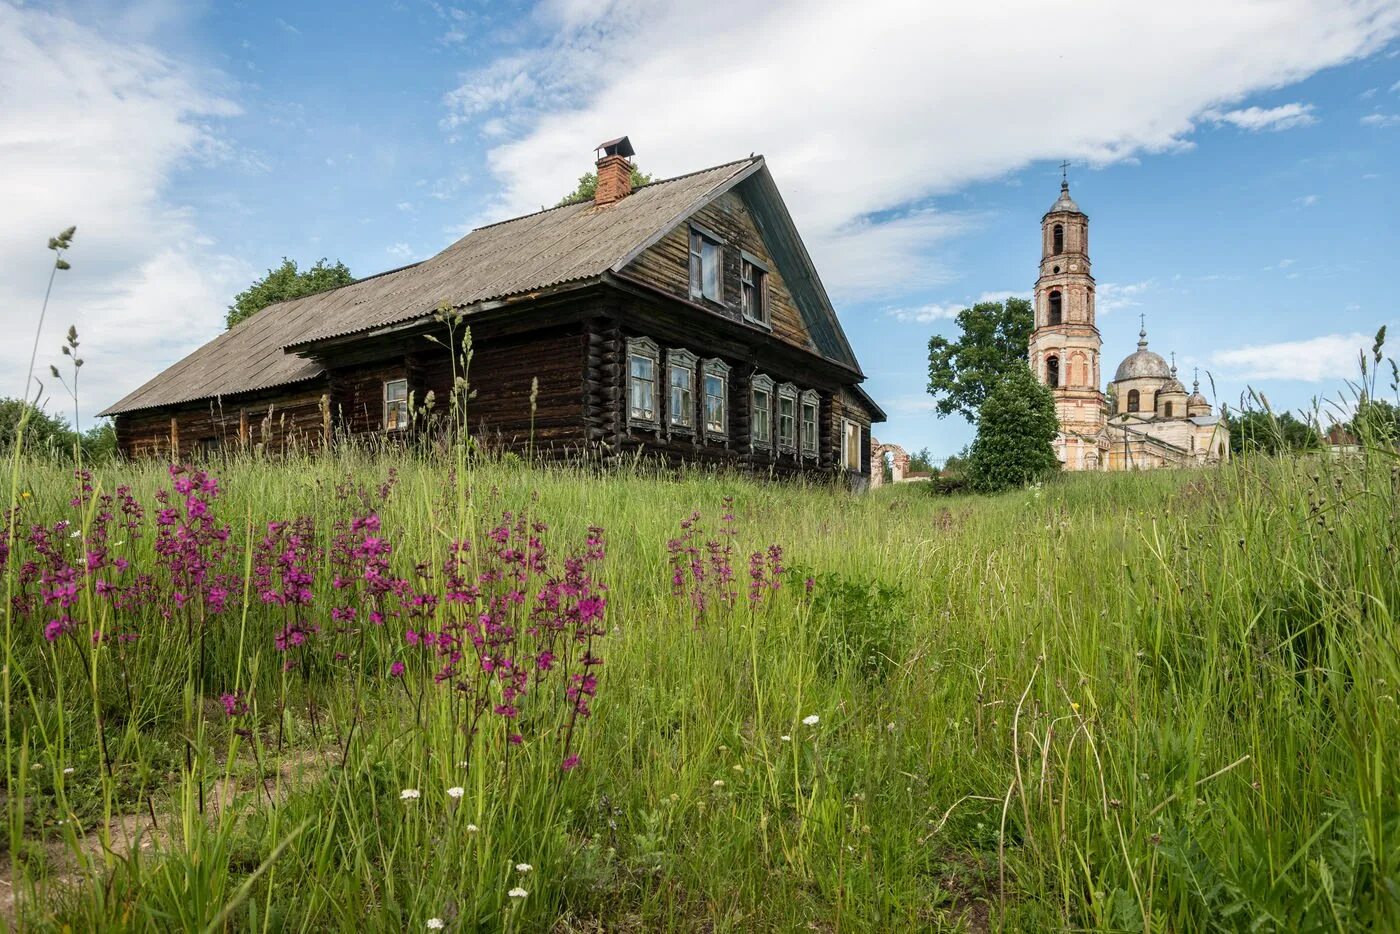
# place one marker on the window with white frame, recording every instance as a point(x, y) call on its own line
point(716, 391)
point(395, 404)
point(850, 450)
point(753, 289)
point(787, 418)
point(811, 408)
point(680, 378)
point(761, 416)
point(643, 362)
point(706, 266)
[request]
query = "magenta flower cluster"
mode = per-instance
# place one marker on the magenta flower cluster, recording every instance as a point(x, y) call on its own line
point(506, 630)
point(702, 566)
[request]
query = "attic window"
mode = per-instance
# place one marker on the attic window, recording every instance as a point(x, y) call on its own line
point(395, 404)
point(706, 266)
point(753, 285)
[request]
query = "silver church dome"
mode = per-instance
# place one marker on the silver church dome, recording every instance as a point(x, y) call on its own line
point(1143, 363)
point(1064, 202)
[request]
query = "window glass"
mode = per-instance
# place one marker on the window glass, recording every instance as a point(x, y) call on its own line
point(809, 427)
point(395, 404)
point(706, 263)
point(762, 415)
point(682, 395)
point(642, 388)
point(716, 418)
point(754, 285)
point(787, 422)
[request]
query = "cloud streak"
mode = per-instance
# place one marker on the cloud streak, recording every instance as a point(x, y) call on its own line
point(1328, 358)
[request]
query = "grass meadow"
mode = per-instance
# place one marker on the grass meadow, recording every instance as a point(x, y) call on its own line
point(437, 700)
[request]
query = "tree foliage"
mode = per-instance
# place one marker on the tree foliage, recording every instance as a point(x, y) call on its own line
point(1376, 422)
point(50, 436)
point(1015, 430)
point(993, 343)
point(1260, 431)
point(588, 186)
point(287, 282)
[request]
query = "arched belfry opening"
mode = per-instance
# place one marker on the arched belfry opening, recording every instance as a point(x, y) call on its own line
point(1059, 234)
point(1056, 308)
point(1134, 400)
point(1052, 372)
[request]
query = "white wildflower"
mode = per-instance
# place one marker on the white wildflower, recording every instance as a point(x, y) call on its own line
point(785, 738)
point(811, 720)
point(456, 791)
point(523, 867)
point(472, 828)
point(69, 771)
point(409, 794)
point(517, 892)
point(719, 783)
point(435, 924)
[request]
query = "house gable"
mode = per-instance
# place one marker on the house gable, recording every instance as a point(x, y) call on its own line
point(666, 265)
point(750, 211)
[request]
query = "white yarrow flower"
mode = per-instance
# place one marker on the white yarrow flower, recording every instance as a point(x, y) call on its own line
point(435, 924)
point(517, 892)
point(472, 828)
point(456, 791)
point(719, 783)
point(409, 794)
point(785, 738)
point(523, 867)
point(811, 719)
point(69, 771)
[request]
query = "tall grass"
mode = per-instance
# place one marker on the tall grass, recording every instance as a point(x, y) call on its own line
point(1123, 702)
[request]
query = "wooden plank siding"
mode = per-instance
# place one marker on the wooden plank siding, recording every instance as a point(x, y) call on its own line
point(292, 417)
point(666, 265)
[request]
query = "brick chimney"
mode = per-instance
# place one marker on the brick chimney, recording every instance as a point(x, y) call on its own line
point(614, 171)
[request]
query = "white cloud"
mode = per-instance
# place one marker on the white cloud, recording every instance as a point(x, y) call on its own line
point(1283, 117)
point(1368, 93)
point(94, 124)
point(1381, 120)
point(1113, 296)
point(871, 108)
point(923, 314)
point(1329, 358)
point(400, 251)
point(1306, 201)
point(1395, 88)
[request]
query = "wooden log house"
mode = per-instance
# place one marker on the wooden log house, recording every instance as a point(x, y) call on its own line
point(683, 319)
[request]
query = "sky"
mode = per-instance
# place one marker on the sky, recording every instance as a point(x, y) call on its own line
point(1239, 161)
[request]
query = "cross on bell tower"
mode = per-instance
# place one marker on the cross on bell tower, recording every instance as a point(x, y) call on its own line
point(1065, 344)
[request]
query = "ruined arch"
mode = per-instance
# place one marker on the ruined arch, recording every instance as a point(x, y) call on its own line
point(899, 462)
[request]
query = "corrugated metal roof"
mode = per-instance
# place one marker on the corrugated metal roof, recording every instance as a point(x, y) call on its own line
point(551, 247)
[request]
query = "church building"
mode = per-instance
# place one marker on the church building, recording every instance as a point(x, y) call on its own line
point(1146, 419)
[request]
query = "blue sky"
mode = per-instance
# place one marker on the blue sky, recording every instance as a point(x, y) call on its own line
point(1238, 162)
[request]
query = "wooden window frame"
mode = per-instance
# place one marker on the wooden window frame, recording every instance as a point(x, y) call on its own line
point(846, 426)
point(761, 384)
point(809, 441)
point(717, 369)
point(677, 360)
point(400, 406)
point(787, 392)
point(696, 260)
point(644, 348)
point(753, 274)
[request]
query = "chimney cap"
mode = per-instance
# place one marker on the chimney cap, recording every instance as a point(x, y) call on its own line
point(622, 146)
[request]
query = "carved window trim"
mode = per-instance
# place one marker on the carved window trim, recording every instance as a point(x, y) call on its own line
point(809, 431)
point(680, 419)
point(714, 368)
point(761, 385)
point(644, 348)
point(395, 399)
point(786, 423)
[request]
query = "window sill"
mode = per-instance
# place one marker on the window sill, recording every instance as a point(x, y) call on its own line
point(761, 325)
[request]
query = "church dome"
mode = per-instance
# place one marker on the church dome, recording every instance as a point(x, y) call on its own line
point(1064, 202)
point(1144, 364)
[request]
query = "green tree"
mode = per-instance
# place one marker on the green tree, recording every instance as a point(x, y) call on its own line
point(994, 341)
point(287, 282)
point(1376, 422)
point(1015, 430)
point(921, 461)
point(49, 435)
point(588, 186)
point(1260, 431)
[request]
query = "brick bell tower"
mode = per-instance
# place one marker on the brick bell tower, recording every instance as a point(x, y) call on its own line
point(1065, 345)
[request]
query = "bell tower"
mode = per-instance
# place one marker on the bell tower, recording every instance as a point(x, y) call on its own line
point(1065, 344)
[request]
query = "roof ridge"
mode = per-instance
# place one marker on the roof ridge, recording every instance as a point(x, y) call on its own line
point(651, 184)
point(334, 288)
